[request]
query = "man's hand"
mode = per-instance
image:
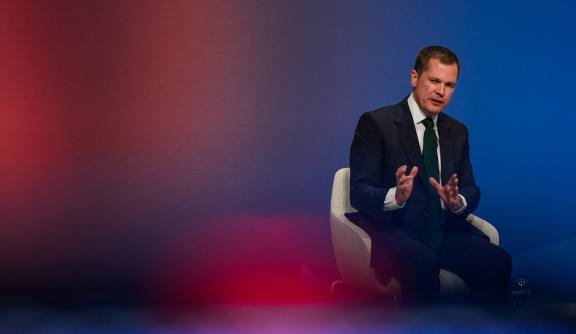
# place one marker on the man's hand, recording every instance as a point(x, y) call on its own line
point(449, 192)
point(404, 183)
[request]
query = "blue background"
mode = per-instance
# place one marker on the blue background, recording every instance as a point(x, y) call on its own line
point(200, 138)
point(514, 93)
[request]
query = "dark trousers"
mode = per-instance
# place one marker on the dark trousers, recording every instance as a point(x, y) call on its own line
point(484, 267)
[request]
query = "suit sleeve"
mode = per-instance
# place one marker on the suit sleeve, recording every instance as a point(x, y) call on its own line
point(366, 158)
point(467, 183)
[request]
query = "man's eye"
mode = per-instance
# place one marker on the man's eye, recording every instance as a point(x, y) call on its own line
point(451, 85)
point(435, 80)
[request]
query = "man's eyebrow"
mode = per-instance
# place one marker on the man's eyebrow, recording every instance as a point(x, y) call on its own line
point(431, 77)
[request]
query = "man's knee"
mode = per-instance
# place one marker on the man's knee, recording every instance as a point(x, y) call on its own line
point(418, 268)
point(501, 262)
point(426, 263)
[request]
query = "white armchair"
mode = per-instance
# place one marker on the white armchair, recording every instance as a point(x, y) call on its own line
point(352, 248)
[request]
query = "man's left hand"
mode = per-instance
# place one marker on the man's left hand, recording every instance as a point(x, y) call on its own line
point(449, 192)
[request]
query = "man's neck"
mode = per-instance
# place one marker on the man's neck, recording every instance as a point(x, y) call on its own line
point(417, 113)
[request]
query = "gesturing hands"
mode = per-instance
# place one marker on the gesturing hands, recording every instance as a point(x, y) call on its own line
point(449, 192)
point(404, 183)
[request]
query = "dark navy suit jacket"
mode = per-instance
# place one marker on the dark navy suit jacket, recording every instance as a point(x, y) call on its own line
point(384, 140)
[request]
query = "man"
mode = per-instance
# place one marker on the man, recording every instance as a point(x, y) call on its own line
point(412, 182)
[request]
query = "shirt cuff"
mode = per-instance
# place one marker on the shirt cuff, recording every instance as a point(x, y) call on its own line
point(390, 201)
point(463, 207)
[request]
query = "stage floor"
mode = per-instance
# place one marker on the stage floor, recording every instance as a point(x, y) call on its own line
point(350, 318)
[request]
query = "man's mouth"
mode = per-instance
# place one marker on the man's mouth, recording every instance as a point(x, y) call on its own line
point(436, 102)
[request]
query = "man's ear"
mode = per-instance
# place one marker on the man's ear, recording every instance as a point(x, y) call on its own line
point(413, 78)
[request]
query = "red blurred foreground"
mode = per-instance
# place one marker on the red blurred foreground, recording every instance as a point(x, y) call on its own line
point(240, 259)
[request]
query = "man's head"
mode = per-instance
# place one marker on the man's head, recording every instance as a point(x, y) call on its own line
point(434, 78)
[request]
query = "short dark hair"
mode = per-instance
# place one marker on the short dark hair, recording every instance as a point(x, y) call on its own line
point(445, 55)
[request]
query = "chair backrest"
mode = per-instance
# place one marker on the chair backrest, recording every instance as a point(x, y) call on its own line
point(340, 202)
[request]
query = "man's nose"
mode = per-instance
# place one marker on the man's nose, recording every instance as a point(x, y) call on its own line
point(441, 89)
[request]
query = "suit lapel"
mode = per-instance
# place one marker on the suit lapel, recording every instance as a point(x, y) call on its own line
point(446, 148)
point(409, 139)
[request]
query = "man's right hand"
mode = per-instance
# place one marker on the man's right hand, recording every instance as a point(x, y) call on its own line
point(404, 183)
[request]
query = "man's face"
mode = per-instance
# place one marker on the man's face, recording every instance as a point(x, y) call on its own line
point(434, 87)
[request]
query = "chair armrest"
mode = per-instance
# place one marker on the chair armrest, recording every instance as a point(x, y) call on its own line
point(485, 227)
point(353, 247)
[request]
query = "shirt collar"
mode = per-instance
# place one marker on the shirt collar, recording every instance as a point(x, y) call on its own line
point(417, 115)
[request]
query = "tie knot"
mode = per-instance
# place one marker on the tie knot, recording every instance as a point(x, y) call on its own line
point(428, 123)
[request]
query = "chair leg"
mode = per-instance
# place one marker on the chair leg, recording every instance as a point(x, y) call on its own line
point(335, 287)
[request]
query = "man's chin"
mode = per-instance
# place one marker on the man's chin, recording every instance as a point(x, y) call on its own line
point(430, 112)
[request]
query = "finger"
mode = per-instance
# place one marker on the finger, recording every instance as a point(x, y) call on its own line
point(453, 179)
point(404, 191)
point(454, 184)
point(442, 196)
point(407, 177)
point(449, 191)
point(439, 189)
point(401, 171)
point(452, 196)
point(410, 176)
point(403, 181)
point(435, 184)
point(453, 190)
point(403, 187)
point(408, 183)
